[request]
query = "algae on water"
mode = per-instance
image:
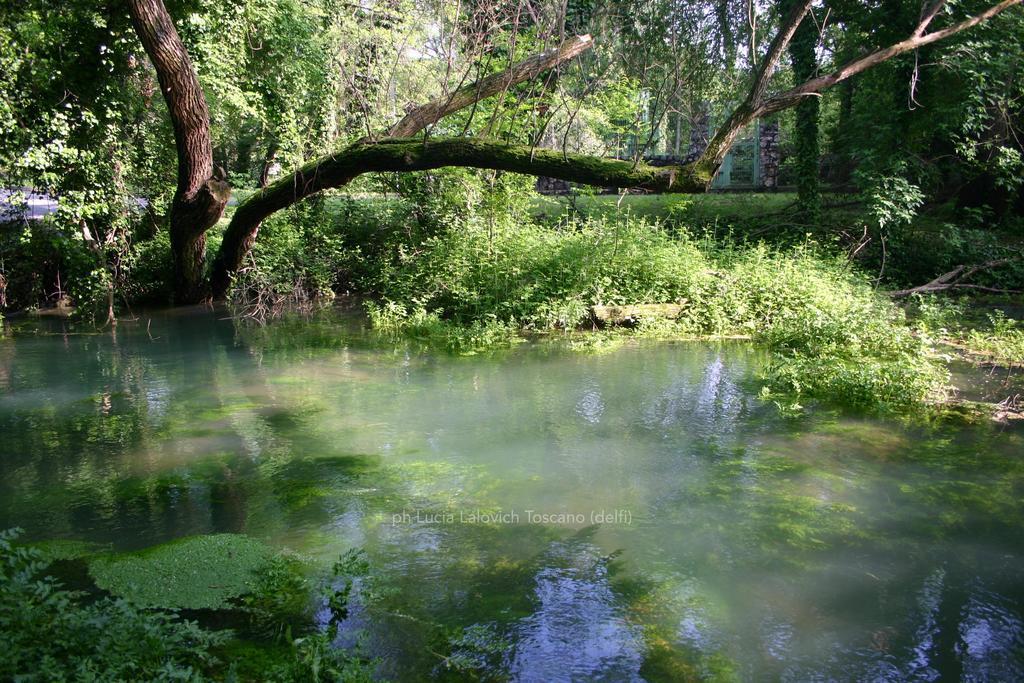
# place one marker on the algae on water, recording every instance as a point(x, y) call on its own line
point(66, 549)
point(198, 572)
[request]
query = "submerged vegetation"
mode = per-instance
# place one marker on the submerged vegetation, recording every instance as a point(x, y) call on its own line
point(302, 436)
point(202, 572)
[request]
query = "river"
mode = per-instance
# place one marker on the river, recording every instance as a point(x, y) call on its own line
point(638, 514)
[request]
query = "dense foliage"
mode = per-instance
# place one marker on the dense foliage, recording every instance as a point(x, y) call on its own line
point(91, 129)
point(490, 279)
point(910, 170)
point(54, 634)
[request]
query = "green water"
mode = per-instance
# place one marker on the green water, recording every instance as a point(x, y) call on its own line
point(734, 542)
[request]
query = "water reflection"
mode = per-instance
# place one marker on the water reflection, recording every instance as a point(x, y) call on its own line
point(578, 631)
point(759, 547)
point(991, 643)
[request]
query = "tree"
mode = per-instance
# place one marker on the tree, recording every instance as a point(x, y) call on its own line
point(200, 196)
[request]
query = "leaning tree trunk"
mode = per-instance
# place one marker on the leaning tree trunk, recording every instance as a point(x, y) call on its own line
point(241, 233)
point(199, 197)
point(416, 154)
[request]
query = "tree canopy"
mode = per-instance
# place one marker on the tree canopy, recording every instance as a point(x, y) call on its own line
point(282, 99)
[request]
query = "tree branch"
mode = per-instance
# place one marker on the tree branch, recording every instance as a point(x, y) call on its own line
point(776, 50)
point(404, 154)
point(928, 12)
point(719, 145)
point(917, 40)
point(755, 106)
point(241, 234)
point(954, 279)
point(528, 69)
point(409, 155)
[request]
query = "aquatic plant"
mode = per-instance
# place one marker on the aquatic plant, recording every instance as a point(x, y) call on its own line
point(1002, 343)
point(278, 599)
point(53, 634)
point(200, 572)
point(392, 320)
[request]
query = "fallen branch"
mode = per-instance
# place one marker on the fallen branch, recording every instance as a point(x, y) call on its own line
point(427, 114)
point(954, 280)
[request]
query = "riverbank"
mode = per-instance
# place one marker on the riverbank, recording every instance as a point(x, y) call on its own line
point(977, 352)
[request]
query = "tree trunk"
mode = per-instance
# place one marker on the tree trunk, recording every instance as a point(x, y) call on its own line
point(199, 197)
point(245, 225)
point(844, 135)
point(751, 107)
point(406, 154)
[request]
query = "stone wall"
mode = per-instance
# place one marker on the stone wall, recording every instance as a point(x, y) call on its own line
point(700, 135)
point(770, 154)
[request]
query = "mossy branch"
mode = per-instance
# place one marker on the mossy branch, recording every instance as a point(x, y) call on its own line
point(403, 154)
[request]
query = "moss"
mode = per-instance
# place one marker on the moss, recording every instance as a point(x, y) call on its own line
point(199, 572)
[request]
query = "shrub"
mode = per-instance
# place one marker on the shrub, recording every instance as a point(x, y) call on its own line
point(1002, 343)
point(832, 335)
point(49, 635)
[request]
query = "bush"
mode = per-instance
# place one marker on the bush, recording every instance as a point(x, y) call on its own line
point(1002, 343)
point(832, 335)
point(44, 264)
point(394, 321)
point(41, 264)
point(298, 253)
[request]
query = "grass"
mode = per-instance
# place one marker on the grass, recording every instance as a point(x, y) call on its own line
point(832, 336)
point(983, 332)
point(905, 254)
